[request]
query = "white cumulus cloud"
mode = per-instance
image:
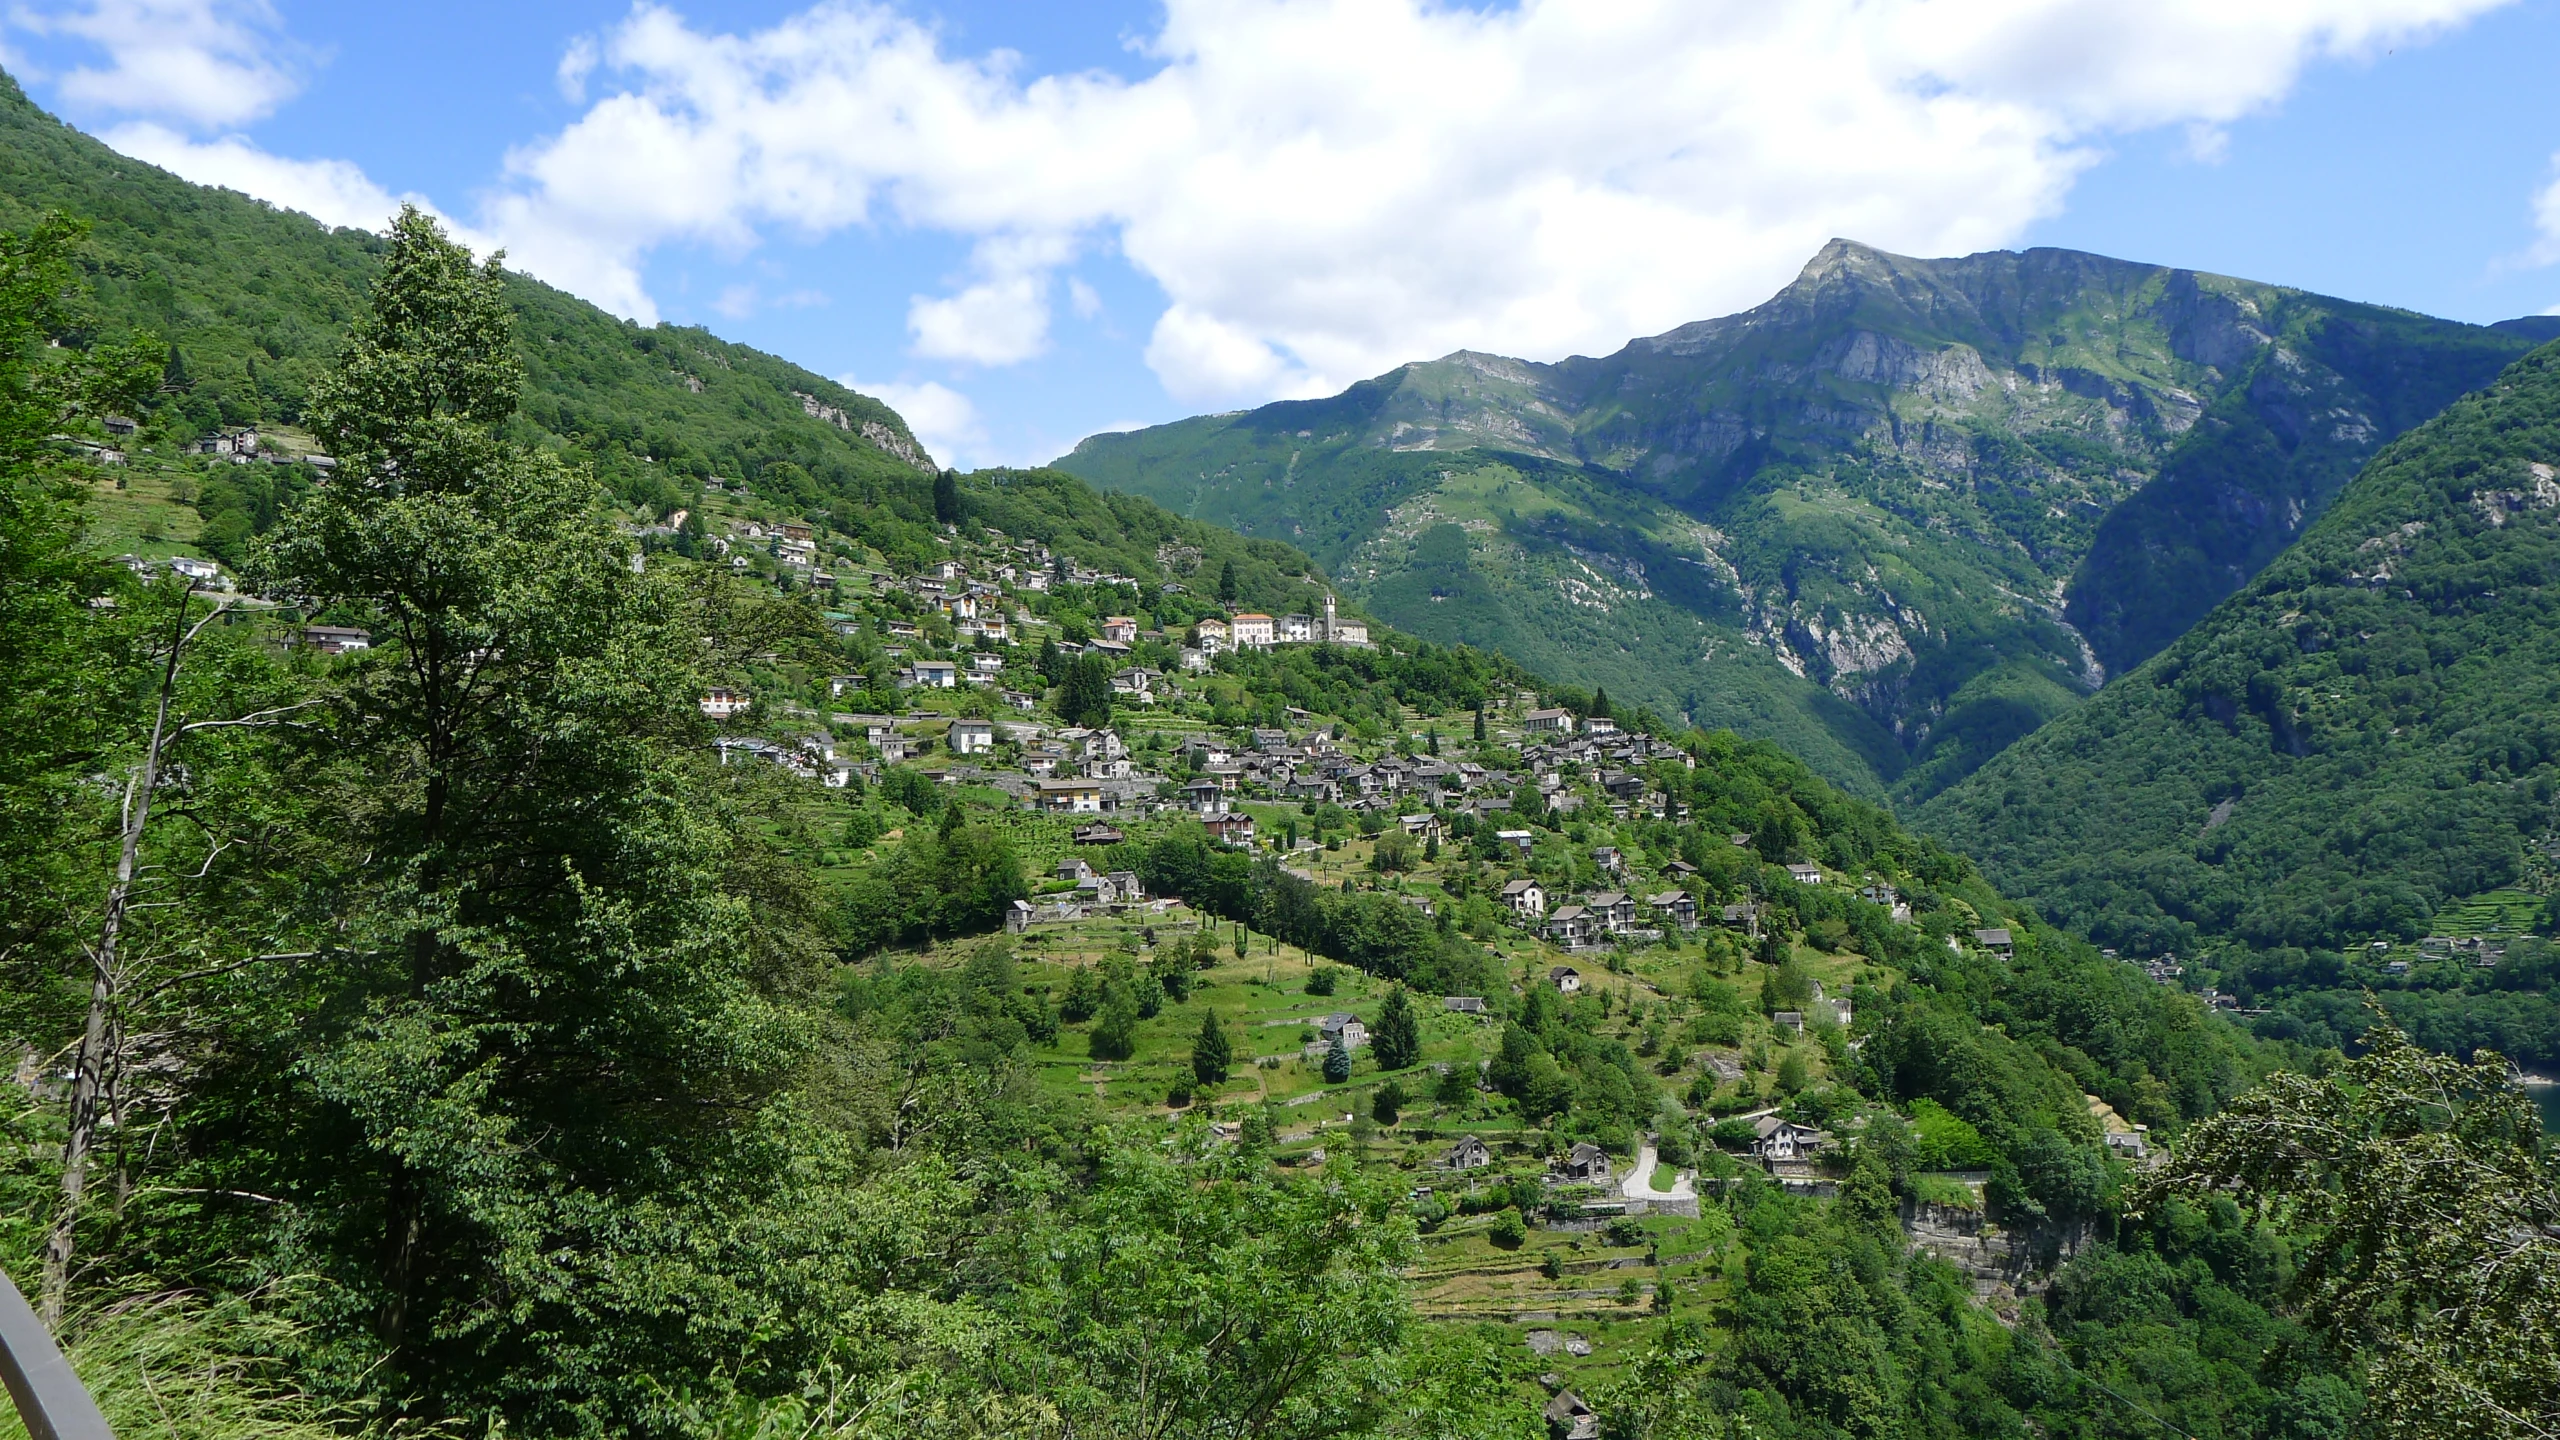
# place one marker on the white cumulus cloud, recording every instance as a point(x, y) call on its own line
point(1320, 188)
point(198, 65)
point(1323, 188)
point(2546, 223)
point(945, 420)
point(196, 62)
point(334, 192)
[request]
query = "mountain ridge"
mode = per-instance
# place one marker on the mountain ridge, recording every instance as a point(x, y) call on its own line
point(2338, 759)
point(1868, 518)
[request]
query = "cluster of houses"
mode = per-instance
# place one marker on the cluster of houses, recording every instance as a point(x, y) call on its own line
point(981, 602)
point(241, 447)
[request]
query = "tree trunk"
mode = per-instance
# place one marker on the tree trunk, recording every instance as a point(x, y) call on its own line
point(97, 1039)
point(103, 1032)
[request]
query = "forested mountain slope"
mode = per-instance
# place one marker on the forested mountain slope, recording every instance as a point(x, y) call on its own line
point(255, 302)
point(2364, 735)
point(1871, 519)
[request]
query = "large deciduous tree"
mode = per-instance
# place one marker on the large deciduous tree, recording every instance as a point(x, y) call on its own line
point(2428, 1202)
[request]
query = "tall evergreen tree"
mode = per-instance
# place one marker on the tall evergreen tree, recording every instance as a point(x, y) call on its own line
point(1337, 1063)
point(1479, 722)
point(1398, 1037)
point(946, 497)
point(1227, 583)
point(1211, 1053)
point(537, 1006)
point(1085, 696)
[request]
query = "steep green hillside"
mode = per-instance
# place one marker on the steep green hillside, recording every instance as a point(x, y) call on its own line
point(2363, 737)
point(1850, 519)
point(254, 301)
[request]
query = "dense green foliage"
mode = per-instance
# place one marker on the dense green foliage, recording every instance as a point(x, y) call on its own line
point(2005, 1046)
point(498, 1074)
point(2359, 739)
point(1813, 523)
point(2251, 474)
point(253, 302)
point(2429, 1197)
point(60, 708)
point(1839, 1330)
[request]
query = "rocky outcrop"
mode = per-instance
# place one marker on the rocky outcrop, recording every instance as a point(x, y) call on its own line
point(886, 438)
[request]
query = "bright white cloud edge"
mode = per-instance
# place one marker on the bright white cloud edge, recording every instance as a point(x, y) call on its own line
point(1324, 188)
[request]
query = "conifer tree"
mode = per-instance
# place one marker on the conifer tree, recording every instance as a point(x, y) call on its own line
point(1085, 697)
point(1083, 997)
point(1211, 1053)
point(1387, 1105)
point(1337, 1063)
point(533, 949)
point(1398, 1036)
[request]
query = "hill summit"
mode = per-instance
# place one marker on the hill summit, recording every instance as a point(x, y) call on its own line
point(1895, 517)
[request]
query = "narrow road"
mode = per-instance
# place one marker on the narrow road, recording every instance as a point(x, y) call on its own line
point(1639, 1182)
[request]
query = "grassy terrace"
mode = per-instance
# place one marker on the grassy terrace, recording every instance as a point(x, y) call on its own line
point(1598, 1283)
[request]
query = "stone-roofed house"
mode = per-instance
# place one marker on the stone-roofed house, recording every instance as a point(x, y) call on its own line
point(1996, 940)
point(1615, 910)
point(1777, 1139)
point(1571, 925)
point(1584, 1164)
point(1675, 906)
point(1469, 1153)
point(1525, 898)
point(970, 737)
point(1569, 1418)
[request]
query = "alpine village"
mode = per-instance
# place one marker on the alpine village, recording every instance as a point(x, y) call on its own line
point(568, 878)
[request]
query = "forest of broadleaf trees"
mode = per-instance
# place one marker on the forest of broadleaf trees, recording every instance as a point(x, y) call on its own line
point(438, 1040)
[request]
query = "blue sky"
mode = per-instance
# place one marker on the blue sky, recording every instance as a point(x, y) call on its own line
point(1135, 214)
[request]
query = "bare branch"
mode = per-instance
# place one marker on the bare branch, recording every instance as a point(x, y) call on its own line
point(224, 969)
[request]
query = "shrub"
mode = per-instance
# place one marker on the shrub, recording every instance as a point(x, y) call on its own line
point(1509, 1230)
point(1387, 1103)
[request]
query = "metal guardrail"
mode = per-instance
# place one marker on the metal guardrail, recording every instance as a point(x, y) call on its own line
point(50, 1399)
